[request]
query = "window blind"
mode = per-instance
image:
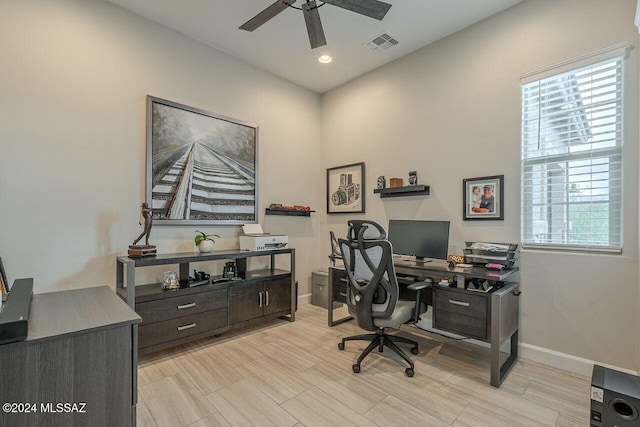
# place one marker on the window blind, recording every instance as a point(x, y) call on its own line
point(572, 159)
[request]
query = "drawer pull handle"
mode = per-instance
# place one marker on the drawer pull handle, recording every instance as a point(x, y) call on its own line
point(189, 326)
point(260, 299)
point(344, 280)
point(460, 303)
point(343, 294)
point(266, 298)
point(183, 306)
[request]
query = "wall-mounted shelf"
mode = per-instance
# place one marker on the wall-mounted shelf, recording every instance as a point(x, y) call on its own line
point(287, 212)
point(411, 190)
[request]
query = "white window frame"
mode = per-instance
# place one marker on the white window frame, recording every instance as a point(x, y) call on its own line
point(558, 191)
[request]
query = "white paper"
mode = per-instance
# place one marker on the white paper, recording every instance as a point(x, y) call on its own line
point(489, 257)
point(251, 229)
point(489, 246)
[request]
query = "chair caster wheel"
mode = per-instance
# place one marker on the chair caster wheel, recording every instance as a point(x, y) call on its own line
point(340, 346)
point(414, 350)
point(356, 369)
point(409, 372)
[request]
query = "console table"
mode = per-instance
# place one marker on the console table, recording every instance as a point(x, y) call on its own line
point(491, 317)
point(172, 317)
point(80, 350)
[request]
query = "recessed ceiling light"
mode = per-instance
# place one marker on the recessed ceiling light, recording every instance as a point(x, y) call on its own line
point(325, 59)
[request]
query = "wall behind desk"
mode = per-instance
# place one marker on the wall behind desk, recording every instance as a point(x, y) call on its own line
point(73, 82)
point(452, 111)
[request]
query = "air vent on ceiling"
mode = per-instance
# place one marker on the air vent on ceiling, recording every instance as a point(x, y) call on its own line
point(381, 42)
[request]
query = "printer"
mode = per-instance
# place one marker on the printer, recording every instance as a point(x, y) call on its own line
point(254, 239)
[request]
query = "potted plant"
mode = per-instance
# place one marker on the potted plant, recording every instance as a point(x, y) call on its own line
point(204, 242)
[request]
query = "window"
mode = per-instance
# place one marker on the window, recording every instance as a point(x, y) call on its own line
point(572, 158)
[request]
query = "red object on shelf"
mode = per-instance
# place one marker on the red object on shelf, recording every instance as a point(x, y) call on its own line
point(290, 208)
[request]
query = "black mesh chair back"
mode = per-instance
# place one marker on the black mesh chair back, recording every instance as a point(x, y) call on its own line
point(373, 290)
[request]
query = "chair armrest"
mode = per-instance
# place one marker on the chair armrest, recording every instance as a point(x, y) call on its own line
point(419, 286)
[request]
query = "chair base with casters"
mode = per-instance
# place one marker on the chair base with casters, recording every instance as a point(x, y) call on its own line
point(380, 340)
point(404, 312)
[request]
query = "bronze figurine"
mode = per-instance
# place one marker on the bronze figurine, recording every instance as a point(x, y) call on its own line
point(146, 213)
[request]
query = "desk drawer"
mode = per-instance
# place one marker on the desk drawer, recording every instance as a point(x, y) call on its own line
point(465, 304)
point(172, 307)
point(460, 324)
point(461, 313)
point(160, 332)
point(339, 285)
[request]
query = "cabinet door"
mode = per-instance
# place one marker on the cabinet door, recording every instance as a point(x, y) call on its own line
point(244, 302)
point(277, 296)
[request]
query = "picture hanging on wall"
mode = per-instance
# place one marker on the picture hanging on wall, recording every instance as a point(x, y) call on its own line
point(483, 198)
point(4, 284)
point(201, 167)
point(345, 189)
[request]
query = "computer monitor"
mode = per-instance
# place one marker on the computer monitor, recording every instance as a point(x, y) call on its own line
point(422, 239)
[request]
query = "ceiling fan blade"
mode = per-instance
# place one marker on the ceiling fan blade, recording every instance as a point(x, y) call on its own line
point(314, 25)
point(266, 15)
point(372, 8)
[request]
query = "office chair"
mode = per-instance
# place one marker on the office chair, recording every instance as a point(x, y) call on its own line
point(372, 291)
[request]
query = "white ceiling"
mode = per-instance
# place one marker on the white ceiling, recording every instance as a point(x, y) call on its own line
point(281, 46)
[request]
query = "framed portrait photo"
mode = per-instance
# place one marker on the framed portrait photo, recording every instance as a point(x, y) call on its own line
point(202, 168)
point(483, 198)
point(345, 189)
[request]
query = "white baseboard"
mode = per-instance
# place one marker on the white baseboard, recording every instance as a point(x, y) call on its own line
point(304, 299)
point(567, 362)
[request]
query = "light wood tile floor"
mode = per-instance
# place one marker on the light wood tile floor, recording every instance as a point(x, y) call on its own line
point(292, 374)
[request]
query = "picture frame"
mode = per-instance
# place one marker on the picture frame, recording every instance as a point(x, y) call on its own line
point(483, 198)
point(4, 284)
point(346, 189)
point(202, 168)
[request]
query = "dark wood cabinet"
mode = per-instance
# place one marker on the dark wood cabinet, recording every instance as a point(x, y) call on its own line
point(80, 350)
point(277, 298)
point(257, 300)
point(174, 317)
point(245, 303)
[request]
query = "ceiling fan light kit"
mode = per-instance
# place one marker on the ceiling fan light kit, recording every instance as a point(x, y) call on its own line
point(372, 8)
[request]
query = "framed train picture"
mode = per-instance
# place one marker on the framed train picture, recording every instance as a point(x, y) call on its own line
point(4, 284)
point(201, 167)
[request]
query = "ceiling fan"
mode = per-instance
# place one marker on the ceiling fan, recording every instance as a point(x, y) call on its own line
point(371, 8)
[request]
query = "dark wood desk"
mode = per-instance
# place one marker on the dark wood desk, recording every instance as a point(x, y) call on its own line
point(492, 317)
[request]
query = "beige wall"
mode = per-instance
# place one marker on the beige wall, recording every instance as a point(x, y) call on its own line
point(637, 22)
point(452, 111)
point(73, 82)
